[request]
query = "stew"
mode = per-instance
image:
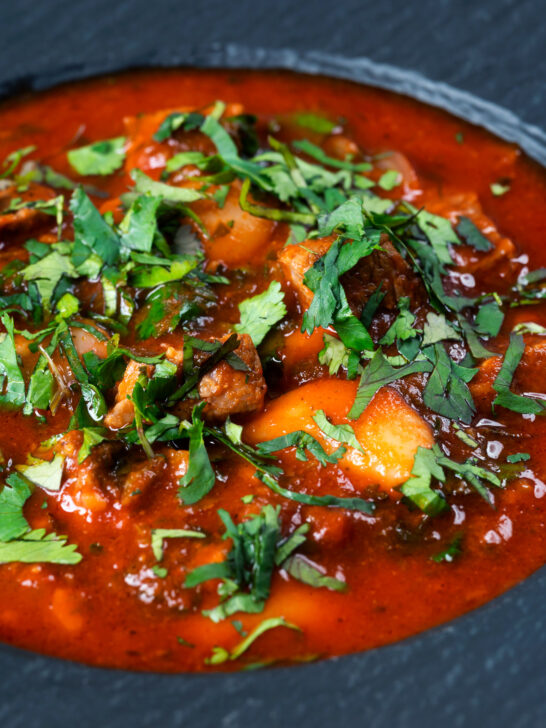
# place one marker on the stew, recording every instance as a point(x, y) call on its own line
point(272, 369)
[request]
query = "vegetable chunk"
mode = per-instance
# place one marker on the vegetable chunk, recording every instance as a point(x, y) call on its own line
point(389, 430)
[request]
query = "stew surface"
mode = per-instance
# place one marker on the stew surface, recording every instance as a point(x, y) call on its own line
point(272, 369)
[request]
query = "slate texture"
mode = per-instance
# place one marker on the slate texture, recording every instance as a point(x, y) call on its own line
point(486, 669)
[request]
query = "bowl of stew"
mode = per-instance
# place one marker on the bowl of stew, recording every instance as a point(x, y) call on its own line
point(272, 368)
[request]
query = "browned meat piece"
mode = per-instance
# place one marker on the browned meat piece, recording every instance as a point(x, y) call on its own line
point(384, 267)
point(491, 266)
point(140, 478)
point(296, 260)
point(228, 391)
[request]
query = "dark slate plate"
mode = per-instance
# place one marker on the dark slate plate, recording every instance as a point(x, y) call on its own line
point(485, 669)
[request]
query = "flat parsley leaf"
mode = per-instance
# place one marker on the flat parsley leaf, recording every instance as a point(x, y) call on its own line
point(199, 478)
point(160, 534)
point(377, 374)
point(340, 433)
point(260, 313)
point(418, 487)
point(12, 384)
point(446, 391)
point(505, 397)
point(472, 235)
point(46, 474)
point(220, 654)
point(103, 157)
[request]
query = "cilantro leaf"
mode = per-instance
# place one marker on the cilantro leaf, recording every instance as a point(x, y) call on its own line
point(160, 534)
point(379, 373)
point(402, 327)
point(302, 441)
point(314, 121)
point(169, 193)
point(439, 233)
point(473, 474)
point(46, 474)
point(220, 654)
point(91, 436)
point(350, 504)
point(489, 319)
point(389, 180)
point(518, 457)
point(17, 541)
point(505, 397)
point(104, 157)
point(304, 145)
point(12, 384)
point(199, 478)
point(38, 547)
point(418, 489)
point(450, 552)
point(437, 329)
point(139, 225)
point(305, 571)
point(47, 273)
point(92, 234)
point(340, 433)
point(260, 313)
point(329, 304)
point(472, 235)
point(13, 497)
point(446, 391)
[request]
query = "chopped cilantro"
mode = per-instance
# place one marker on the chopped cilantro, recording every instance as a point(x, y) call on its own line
point(389, 180)
point(220, 654)
point(340, 433)
point(418, 488)
point(160, 534)
point(518, 457)
point(46, 474)
point(498, 188)
point(17, 541)
point(104, 157)
point(305, 571)
point(377, 374)
point(199, 478)
point(446, 391)
point(257, 547)
point(260, 313)
point(12, 384)
point(450, 552)
point(505, 397)
point(472, 235)
point(315, 122)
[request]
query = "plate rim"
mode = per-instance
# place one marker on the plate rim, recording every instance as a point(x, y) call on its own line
point(462, 104)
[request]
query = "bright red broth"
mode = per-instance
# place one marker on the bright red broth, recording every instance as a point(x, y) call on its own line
point(120, 606)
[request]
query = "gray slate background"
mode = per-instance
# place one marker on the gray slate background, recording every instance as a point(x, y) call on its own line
point(487, 669)
point(494, 48)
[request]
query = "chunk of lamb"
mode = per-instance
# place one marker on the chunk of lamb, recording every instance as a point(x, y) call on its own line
point(228, 391)
point(384, 267)
point(491, 265)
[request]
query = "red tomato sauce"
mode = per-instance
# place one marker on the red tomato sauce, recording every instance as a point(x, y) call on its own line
point(111, 609)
